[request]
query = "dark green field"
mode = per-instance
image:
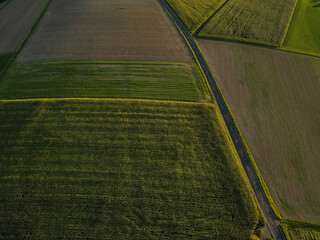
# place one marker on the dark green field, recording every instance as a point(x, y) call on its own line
point(174, 81)
point(4, 59)
point(120, 169)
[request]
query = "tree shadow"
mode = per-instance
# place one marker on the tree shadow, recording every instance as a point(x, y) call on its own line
point(316, 6)
point(315, 1)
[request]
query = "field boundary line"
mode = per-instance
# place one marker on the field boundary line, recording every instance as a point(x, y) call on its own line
point(212, 13)
point(256, 44)
point(300, 52)
point(25, 40)
point(110, 62)
point(101, 99)
point(289, 22)
point(238, 39)
point(5, 4)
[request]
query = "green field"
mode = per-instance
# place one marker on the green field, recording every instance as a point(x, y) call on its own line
point(296, 230)
point(194, 12)
point(304, 34)
point(174, 81)
point(304, 234)
point(120, 169)
point(256, 21)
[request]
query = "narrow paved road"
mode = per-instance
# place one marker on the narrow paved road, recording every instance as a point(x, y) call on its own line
point(272, 222)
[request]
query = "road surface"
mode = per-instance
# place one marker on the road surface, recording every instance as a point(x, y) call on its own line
point(272, 222)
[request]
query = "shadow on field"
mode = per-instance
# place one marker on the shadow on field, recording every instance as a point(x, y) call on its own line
point(316, 6)
point(315, 1)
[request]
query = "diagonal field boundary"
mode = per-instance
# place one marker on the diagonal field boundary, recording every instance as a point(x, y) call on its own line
point(23, 43)
point(272, 222)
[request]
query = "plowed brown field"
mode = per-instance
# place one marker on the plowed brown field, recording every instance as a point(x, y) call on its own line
point(16, 21)
point(105, 30)
point(275, 99)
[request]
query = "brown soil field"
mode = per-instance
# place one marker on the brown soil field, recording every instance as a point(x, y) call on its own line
point(275, 99)
point(105, 30)
point(16, 20)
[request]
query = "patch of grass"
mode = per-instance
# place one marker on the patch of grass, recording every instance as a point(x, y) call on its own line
point(174, 81)
point(4, 59)
point(119, 169)
point(303, 34)
point(194, 12)
point(263, 22)
point(297, 230)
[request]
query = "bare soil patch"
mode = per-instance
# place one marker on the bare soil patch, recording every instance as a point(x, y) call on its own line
point(16, 21)
point(275, 98)
point(105, 30)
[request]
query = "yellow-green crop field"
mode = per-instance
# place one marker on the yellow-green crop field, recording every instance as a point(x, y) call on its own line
point(194, 12)
point(304, 31)
point(251, 20)
point(120, 169)
point(151, 80)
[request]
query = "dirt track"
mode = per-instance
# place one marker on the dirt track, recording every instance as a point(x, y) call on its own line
point(13, 29)
point(105, 30)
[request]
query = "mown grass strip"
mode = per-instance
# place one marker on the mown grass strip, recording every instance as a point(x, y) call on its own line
point(165, 81)
point(117, 169)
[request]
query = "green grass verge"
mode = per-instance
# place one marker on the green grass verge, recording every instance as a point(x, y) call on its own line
point(303, 34)
point(119, 169)
point(194, 13)
point(298, 230)
point(253, 20)
point(166, 81)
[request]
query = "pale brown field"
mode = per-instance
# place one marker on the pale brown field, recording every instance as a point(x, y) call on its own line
point(105, 30)
point(275, 99)
point(16, 20)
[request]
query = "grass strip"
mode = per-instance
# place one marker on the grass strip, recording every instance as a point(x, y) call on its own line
point(122, 79)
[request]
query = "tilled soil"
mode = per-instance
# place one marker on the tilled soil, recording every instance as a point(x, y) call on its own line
point(105, 30)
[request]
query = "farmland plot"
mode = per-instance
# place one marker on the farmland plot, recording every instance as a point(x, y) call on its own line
point(16, 20)
point(171, 81)
point(303, 34)
point(119, 169)
point(105, 30)
point(275, 99)
point(194, 12)
point(257, 21)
